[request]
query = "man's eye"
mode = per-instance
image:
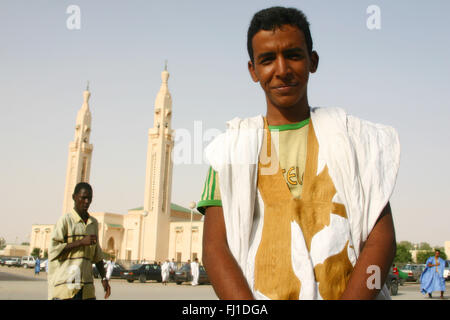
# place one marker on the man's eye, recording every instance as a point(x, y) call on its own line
point(266, 61)
point(295, 56)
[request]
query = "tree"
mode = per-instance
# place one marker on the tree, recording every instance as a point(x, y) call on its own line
point(424, 246)
point(36, 252)
point(46, 254)
point(402, 255)
point(408, 245)
point(2, 243)
point(25, 243)
point(422, 256)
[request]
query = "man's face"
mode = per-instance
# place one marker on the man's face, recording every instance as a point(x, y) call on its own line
point(82, 200)
point(282, 65)
point(436, 254)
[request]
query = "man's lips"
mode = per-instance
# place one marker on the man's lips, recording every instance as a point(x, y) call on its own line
point(284, 87)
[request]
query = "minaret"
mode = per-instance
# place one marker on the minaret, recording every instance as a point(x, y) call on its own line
point(158, 178)
point(80, 152)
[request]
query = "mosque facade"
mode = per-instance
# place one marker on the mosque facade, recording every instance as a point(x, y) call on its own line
point(156, 231)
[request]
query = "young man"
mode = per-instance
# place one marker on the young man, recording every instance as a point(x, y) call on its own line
point(73, 250)
point(296, 203)
point(432, 278)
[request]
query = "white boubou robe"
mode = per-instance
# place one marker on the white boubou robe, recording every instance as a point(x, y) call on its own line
point(363, 161)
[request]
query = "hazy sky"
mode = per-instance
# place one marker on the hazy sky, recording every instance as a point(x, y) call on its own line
point(396, 75)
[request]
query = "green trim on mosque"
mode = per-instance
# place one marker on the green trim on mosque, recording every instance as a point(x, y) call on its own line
point(173, 206)
point(112, 225)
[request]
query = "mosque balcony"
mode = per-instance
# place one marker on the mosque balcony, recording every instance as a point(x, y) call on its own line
point(87, 148)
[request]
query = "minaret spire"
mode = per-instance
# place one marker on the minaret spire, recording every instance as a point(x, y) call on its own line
point(158, 176)
point(80, 152)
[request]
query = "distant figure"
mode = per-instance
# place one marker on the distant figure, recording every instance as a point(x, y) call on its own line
point(432, 278)
point(172, 269)
point(195, 272)
point(37, 266)
point(110, 267)
point(395, 269)
point(165, 270)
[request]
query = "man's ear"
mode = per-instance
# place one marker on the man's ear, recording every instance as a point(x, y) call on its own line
point(314, 62)
point(252, 71)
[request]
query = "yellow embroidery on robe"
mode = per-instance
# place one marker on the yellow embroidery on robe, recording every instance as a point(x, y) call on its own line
point(274, 275)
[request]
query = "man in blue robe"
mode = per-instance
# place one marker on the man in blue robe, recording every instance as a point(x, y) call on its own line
point(432, 278)
point(37, 266)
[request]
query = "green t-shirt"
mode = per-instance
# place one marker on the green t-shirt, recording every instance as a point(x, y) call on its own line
point(291, 151)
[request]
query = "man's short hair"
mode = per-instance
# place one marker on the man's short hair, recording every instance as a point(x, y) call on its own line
point(437, 250)
point(273, 18)
point(82, 185)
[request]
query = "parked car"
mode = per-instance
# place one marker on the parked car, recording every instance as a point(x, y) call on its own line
point(184, 275)
point(447, 270)
point(28, 262)
point(13, 262)
point(392, 282)
point(3, 260)
point(116, 273)
point(142, 272)
point(413, 271)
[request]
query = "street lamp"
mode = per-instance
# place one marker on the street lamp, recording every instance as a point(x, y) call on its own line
point(191, 206)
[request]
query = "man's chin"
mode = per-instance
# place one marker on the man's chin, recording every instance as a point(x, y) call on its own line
point(286, 102)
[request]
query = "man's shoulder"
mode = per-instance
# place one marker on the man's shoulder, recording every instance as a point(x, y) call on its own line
point(245, 123)
point(63, 220)
point(94, 220)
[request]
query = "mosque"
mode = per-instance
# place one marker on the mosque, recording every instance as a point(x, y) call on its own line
point(159, 229)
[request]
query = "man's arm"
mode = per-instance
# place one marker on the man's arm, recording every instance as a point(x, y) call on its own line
point(86, 241)
point(224, 273)
point(379, 250)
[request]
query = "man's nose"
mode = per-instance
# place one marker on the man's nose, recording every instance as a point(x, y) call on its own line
point(282, 67)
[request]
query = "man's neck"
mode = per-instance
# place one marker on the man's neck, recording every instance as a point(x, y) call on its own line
point(83, 215)
point(277, 116)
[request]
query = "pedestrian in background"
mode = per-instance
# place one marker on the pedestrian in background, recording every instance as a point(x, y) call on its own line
point(73, 250)
point(195, 272)
point(165, 269)
point(172, 269)
point(110, 267)
point(37, 266)
point(432, 278)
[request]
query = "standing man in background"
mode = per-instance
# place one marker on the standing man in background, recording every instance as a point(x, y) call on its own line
point(37, 266)
point(73, 250)
point(432, 278)
point(110, 267)
point(195, 271)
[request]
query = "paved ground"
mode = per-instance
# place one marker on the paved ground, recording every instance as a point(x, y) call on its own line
point(21, 284)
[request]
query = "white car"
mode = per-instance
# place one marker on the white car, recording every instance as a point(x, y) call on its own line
point(447, 270)
point(13, 262)
point(28, 262)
